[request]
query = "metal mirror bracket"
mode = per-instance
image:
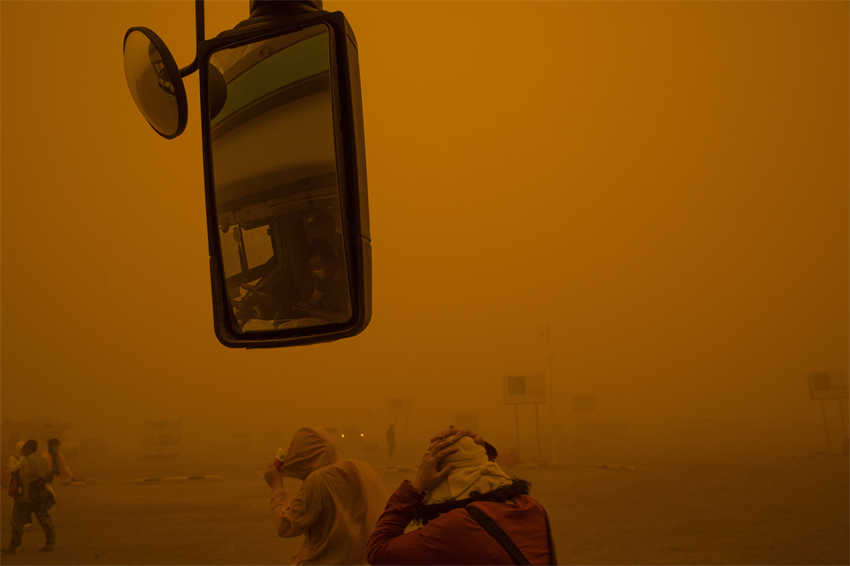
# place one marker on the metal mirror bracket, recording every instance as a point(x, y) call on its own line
point(199, 38)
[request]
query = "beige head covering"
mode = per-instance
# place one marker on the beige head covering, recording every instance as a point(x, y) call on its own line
point(474, 472)
point(339, 502)
point(310, 449)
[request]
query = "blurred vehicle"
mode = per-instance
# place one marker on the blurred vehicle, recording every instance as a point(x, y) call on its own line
point(360, 442)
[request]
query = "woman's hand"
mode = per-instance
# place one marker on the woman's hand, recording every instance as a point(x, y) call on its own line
point(463, 432)
point(431, 471)
point(492, 453)
point(273, 477)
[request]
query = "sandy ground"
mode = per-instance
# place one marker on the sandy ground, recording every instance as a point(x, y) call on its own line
point(732, 510)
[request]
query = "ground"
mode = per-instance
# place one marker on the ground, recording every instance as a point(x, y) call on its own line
point(789, 509)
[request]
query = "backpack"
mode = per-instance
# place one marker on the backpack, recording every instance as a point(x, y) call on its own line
point(15, 487)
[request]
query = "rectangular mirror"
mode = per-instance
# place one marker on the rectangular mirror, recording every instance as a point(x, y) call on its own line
point(289, 251)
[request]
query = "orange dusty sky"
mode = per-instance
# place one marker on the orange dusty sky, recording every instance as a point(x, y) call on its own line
point(665, 185)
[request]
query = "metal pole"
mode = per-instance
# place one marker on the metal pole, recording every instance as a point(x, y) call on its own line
point(199, 24)
point(825, 424)
point(842, 406)
point(537, 429)
point(199, 38)
point(550, 355)
point(407, 423)
point(516, 423)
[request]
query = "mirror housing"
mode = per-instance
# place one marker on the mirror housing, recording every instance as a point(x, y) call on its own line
point(350, 170)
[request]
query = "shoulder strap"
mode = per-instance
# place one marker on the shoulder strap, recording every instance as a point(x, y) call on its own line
point(497, 533)
point(549, 536)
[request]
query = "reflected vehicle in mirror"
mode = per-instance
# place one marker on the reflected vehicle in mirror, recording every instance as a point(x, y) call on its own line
point(284, 168)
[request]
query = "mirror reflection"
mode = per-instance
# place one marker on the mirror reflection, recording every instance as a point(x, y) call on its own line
point(277, 199)
point(154, 91)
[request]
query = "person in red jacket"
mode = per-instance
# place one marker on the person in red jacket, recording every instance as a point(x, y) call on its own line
point(469, 511)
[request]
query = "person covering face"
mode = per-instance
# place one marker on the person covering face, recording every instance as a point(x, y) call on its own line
point(458, 479)
point(337, 505)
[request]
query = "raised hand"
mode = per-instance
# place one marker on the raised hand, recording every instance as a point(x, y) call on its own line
point(431, 471)
point(492, 453)
point(273, 477)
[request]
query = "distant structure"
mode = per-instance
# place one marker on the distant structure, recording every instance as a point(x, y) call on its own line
point(528, 389)
point(400, 409)
point(162, 439)
point(827, 387)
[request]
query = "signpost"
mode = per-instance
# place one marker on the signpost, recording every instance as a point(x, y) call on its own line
point(526, 390)
point(824, 387)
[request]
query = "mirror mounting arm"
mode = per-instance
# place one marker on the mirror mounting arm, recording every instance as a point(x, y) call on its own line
point(199, 38)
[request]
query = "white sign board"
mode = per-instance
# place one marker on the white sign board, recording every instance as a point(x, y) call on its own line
point(525, 389)
point(824, 385)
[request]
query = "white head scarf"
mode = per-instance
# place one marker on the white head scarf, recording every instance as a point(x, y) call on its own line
point(474, 472)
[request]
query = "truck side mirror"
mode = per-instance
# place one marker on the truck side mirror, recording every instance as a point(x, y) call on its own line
point(284, 170)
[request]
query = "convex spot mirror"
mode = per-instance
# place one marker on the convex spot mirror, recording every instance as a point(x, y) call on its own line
point(284, 170)
point(154, 81)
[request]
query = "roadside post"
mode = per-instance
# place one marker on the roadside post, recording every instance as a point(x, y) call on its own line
point(826, 387)
point(526, 390)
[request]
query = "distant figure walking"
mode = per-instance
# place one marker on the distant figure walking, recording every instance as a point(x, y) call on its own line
point(470, 510)
point(32, 496)
point(58, 467)
point(391, 442)
point(337, 505)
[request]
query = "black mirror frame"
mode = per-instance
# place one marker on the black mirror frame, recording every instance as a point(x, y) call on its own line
point(173, 71)
point(351, 169)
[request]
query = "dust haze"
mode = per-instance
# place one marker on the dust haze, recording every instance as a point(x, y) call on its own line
point(645, 203)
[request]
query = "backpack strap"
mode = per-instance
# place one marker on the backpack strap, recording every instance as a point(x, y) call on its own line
point(495, 531)
point(549, 536)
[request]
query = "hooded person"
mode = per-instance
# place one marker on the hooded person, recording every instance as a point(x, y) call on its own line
point(58, 466)
point(337, 505)
point(470, 511)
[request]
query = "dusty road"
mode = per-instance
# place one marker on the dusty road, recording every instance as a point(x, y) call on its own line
point(791, 510)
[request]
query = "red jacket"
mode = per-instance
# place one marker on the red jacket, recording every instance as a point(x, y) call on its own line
point(455, 537)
